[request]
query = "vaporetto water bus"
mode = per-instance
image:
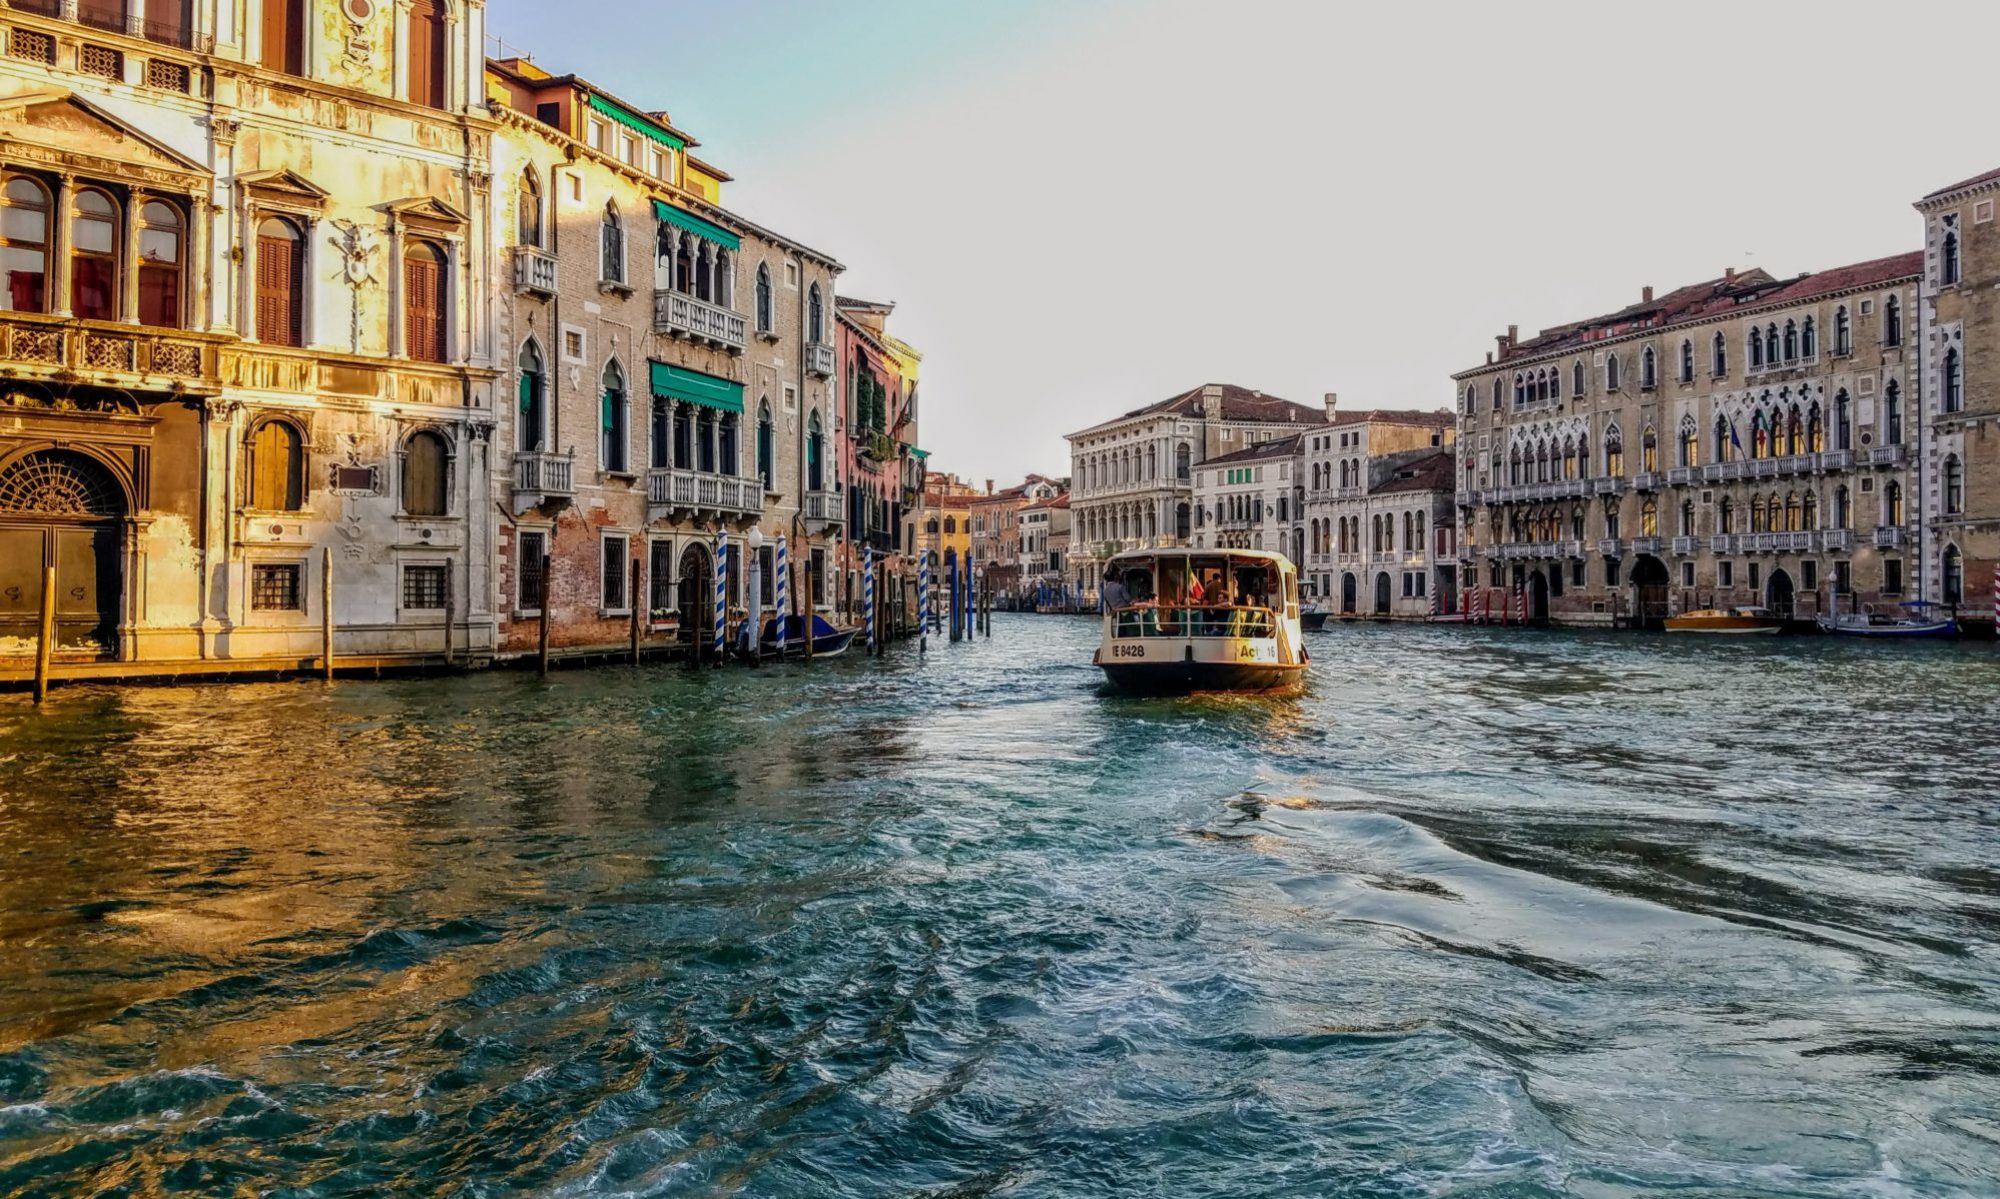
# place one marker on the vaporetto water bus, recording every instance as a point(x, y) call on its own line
point(1177, 621)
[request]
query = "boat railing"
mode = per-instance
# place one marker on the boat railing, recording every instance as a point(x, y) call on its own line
point(1214, 620)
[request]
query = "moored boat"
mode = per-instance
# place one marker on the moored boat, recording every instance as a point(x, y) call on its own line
point(1915, 618)
point(1725, 620)
point(1180, 621)
point(1312, 617)
point(827, 640)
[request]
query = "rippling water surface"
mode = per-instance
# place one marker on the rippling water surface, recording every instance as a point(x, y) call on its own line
point(1482, 913)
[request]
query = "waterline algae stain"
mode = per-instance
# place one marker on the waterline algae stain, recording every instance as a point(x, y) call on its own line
point(1493, 914)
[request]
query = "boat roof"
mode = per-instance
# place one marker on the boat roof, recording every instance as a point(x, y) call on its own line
point(1181, 551)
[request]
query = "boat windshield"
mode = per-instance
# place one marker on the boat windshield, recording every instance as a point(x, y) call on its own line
point(1196, 595)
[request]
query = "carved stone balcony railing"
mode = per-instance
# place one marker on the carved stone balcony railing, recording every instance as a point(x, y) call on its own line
point(126, 356)
point(534, 270)
point(1608, 486)
point(824, 507)
point(1611, 547)
point(1724, 543)
point(1888, 536)
point(539, 474)
point(1645, 545)
point(1886, 455)
point(819, 359)
point(673, 489)
point(1685, 546)
point(1646, 481)
point(1836, 540)
point(683, 315)
point(1679, 476)
point(1837, 460)
point(113, 19)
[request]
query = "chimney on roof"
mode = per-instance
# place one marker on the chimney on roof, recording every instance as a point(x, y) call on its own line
point(1211, 402)
point(1646, 294)
point(1332, 402)
point(1729, 274)
point(989, 487)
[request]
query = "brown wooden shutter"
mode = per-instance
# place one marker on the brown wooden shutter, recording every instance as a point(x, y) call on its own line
point(277, 291)
point(427, 53)
point(284, 36)
point(423, 314)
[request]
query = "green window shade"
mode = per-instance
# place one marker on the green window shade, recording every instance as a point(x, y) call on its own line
point(695, 225)
point(635, 122)
point(693, 387)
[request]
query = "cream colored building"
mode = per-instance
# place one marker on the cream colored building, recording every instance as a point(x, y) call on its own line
point(1132, 477)
point(247, 326)
point(1742, 440)
point(1374, 537)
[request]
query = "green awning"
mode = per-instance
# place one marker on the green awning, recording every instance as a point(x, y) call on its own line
point(695, 225)
point(693, 387)
point(920, 453)
point(635, 122)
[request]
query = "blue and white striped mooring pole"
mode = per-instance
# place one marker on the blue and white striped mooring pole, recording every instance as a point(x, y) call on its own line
point(721, 597)
point(783, 594)
point(923, 600)
point(971, 602)
point(868, 592)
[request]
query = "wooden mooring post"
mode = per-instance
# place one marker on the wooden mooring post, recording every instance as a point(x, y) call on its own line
point(633, 580)
point(542, 633)
point(326, 612)
point(45, 638)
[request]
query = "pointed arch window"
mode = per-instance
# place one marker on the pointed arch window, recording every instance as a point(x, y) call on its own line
point(533, 398)
point(277, 467)
point(1722, 439)
point(611, 264)
point(1614, 453)
point(426, 474)
point(1810, 505)
point(1843, 331)
point(1520, 390)
point(424, 302)
point(613, 421)
point(1756, 347)
point(1690, 442)
point(1948, 260)
point(1719, 355)
point(24, 245)
point(1892, 321)
point(815, 315)
point(764, 321)
point(1843, 421)
point(767, 447)
point(1954, 485)
point(1611, 372)
point(280, 282)
point(1649, 451)
point(528, 217)
point(1892, 504)
point(1791, 341)
point(1649, 518)
point(1576, 378)
point(1687, 361)
point(1497, 391)
point(1649, 369)
point(1841, 514)
point(93, 257)
point(1815, 430)
point(161, 262)
point(1892, 413)
point(1809, 338)
point(1954, 576)
point(1951, 382)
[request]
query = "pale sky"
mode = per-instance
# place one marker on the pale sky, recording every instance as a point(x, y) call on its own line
point(1081, 207)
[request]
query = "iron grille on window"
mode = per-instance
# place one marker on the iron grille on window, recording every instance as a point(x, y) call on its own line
point(100, 60)
point(534, 546)
point(614, 572)
point(425, 586)
point(166, 76)
point(32, 46)
point(275, 587)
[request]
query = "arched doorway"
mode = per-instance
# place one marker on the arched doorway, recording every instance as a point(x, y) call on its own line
point(1347, 594)
point(1382, 594)
point(697, 594)
point(63, 509)
point(1538, 598)
point(1778, 595)
point(1649, 581)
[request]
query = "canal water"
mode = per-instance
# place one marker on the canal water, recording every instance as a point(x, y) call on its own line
point(1484, 912)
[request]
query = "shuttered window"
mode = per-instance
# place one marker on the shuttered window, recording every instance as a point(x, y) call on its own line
point(424, 475)
point(278, 278)
point(284, 36)
point(423, 302)
point(277, 469)
point(427, 53)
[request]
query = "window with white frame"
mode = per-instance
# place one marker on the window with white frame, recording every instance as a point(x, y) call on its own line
point(617, 549)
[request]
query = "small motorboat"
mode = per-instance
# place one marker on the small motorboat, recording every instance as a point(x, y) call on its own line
point(1182, 621)
point(1916, 618)
point(1725, 620)
point(1312, 617)
point(827, 641)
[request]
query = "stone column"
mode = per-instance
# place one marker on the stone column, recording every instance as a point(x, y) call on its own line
point(128, 260)
point(58, 240)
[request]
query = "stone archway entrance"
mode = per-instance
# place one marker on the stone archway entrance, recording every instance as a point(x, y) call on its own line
point(1538, 598)
point(696, 594)
point(1348, 599)
point(1382, 594)
point(1779, 595)
point(1649, 582)
point(63, 509)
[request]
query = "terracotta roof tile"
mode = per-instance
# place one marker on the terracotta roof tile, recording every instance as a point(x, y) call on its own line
point(1987, 177)
point(1431, 473)
point(1277, 447)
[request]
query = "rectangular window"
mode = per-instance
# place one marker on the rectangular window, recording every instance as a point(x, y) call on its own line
point(767, 576)
point(1892, 576)
point(597, 133)
point(615, 597)
point(819, 576)
point(1725, 574)
point(530, 571)
point(1843, 581)
point(424, 586)
point(1809, 575)
point(426, 63)
point(1611, 572)
point(660, 579)
point(1576, 574)
point(277, 587)
point(1754, 571)
point(1687, 574)
point(549, 113)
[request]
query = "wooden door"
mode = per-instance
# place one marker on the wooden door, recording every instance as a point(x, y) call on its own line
point(87, 589)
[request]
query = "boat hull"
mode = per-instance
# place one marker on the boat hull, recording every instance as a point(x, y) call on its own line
point(1310, 620)
point(1733, 626)
point(1941, 629)
point(1183, 678)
